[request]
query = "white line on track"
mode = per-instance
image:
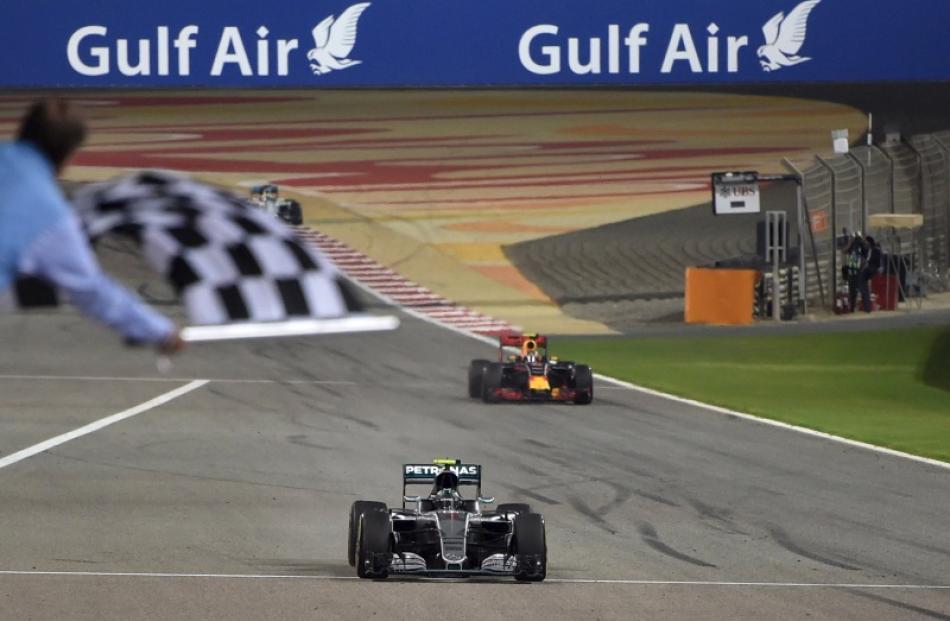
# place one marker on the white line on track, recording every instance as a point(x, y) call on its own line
point(607, 581)
point(175, 380)
point(786, 585)
point(102, 422)
point(774, 423)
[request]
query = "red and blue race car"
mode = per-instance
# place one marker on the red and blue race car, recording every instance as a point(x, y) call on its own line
point(529, 375)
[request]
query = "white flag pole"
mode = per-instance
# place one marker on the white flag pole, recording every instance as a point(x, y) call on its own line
point(347, 324)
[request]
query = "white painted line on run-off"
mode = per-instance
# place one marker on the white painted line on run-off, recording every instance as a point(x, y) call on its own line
point(175, 380)
point(770, 585)
point(102, 422)
point(773, 423)
point(605, 581)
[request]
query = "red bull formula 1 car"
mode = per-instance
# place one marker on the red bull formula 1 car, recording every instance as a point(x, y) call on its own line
point(529, 375)
point(445, 535)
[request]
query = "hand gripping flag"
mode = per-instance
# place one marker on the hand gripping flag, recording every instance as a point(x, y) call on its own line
point(238, 271)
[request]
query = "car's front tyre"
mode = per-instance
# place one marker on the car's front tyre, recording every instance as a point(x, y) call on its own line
point(476, 369)
point(583, 384)
point(357, 509)
point(491, 382)
point(530, 548)
point(373, 548)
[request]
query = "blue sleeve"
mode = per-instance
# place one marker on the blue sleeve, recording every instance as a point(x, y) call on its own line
point(63, 256)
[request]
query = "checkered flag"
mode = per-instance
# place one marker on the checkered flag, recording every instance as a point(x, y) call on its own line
point(229, 262)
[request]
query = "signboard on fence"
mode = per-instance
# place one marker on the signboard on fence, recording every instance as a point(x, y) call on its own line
point(379, 43)
point(735, 193)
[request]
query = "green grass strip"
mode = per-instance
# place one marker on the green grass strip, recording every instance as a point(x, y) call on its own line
point(889, 388)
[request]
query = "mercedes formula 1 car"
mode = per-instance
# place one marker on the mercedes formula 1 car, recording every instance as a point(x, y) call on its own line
point(530, 375)
point(266, 197)
point(444, 534)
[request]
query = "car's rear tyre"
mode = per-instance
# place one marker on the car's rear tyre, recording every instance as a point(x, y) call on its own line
point(357, 509)
point(583, 384)
point(475, 371)
point(530, 548)
point(293, 214)
point(513, 507)
point(373, 549)
point(491, 382)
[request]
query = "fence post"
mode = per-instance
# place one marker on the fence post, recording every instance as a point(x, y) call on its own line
point(890, 160)
point(920, 173)
point(945, 151)
point(921, 209)
point(834, 229)
point(864, 190)
point(804, 224)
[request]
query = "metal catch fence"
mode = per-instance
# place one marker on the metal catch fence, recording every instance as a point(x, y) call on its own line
point(901, 177)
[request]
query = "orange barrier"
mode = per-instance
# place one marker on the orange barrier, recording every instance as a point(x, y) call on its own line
point(720, 296)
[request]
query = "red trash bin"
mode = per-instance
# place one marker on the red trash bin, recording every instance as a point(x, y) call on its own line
point(885, 289)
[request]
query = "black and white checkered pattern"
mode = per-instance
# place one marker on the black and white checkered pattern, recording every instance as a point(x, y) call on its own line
point(228, 261)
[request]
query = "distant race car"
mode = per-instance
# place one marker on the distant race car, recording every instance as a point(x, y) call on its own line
point(267, 197)
point(530, 375)
point(446, 535)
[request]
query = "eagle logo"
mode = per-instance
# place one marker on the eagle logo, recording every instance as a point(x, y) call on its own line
point(784, 37)
point(334, 40)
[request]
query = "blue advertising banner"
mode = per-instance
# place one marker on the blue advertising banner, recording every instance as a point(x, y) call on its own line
point(341, 43)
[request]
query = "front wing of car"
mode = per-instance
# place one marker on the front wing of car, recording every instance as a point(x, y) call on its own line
point(517, 394)
point(494, 565)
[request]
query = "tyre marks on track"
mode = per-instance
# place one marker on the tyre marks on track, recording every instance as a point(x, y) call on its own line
point(903, 606)
point(391, 285)
point(784, 540)
point(650, 537)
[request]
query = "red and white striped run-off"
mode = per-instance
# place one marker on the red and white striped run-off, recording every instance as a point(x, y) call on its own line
point(400, 290)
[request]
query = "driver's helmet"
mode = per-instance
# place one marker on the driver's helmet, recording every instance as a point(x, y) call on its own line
point(269, 192)
point(446, 479)
point(445, 493)
point(447, 500)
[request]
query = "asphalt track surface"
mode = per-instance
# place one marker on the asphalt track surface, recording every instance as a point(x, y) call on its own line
point(230, 501)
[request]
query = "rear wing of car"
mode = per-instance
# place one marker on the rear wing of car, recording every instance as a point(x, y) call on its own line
point(424, 474)
point(514, 339)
